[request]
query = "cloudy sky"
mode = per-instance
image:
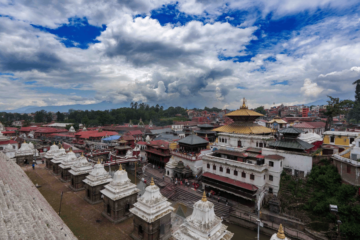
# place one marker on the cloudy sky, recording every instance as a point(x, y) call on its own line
point(192, 53)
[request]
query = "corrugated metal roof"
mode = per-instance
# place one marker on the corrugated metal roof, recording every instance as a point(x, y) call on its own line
point(291, 144)
point(291, 130)
point(231, 181)
point(192, 140)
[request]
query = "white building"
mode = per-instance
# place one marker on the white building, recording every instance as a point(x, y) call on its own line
point(203, 224)
point(170, 166)
point(239, 174)
point(242, 140)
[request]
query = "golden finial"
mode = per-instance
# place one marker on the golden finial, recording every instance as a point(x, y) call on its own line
point(98, 161)
point(24, 141)
point(54, 144)
point(70, 150)
point(206, 136)
point(216, 140)
point(82, 154)
point(204, 199)
point(280, 233)
point(61, 147)
point(120, 167)
point(152, 182)
point(244, 105)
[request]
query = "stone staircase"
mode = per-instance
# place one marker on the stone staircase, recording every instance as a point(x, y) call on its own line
point(24, 212)
point(189, 198)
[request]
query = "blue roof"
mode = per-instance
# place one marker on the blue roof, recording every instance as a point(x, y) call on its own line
point(112, 138)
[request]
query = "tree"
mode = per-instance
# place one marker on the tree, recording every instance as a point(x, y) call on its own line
point(260, 110)
point(334, 108)
point(60, 116)
point(354, 113)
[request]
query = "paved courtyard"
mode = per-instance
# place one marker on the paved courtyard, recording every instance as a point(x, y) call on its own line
point(84, 219)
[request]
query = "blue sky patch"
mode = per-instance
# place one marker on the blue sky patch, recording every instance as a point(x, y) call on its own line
point(77, 33)
point(6, 74)
point(286, 82)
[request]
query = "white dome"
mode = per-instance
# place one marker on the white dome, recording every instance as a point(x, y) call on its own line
point(120, 177)
point(72, 129)
point(147, 139)
point(54, 147)
point(31, 145)
point(84, 129)
point(9, 147)
point(99, 170)
point(129, 154)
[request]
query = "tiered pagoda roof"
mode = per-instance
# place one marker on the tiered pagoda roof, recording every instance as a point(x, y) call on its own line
point(244, 122)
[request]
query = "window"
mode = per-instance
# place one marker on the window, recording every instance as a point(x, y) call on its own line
point(1, 148)
point(264, 177)
point(235, 172)
point(332, 139)
point(271, 178)
point(228, 171)
point(243, 175)
point(208, 165)
point(348, 169)
point(271, 163)
point(257, 144)
point(351, 140)
point(270, 190)
point(221, 169)
point(280, 163)
point(239, 144)
point(261, 145)
point(252, 177)
point(214, 167)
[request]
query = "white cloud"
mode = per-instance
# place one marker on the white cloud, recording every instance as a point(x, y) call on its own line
point(311, 89)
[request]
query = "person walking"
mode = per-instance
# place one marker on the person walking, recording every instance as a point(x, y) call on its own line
point(163, 177)
point(33, 166)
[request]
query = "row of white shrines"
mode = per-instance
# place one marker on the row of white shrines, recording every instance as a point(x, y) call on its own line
point(151, 212)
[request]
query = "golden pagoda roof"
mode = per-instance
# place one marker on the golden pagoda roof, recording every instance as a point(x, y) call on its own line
point(277, 121)
point(244, 128)
point(244, 112)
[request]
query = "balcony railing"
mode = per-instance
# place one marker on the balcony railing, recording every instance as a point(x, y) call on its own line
point(186, 156)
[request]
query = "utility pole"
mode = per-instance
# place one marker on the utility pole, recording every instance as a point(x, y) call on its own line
point(60, 202)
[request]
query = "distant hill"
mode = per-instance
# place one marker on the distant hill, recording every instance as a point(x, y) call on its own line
point(97, 106)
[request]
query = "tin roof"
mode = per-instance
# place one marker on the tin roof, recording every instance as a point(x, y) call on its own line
point(291, 144)
point(193, 140)
point(290, 130)
point(231, 181)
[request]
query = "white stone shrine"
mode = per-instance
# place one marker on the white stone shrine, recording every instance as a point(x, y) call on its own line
point(170, 166)
point(280, 235)
point(49, 155)
point(119, 196)
point(152, 215)
point(79, 170)
point(203, 224)
point(66, 165)
point(57, 159)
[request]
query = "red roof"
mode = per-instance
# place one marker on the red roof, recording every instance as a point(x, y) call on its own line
point(7, 142)
point(231, 181)
point(260, 156)
point(127, 138)
point(135, 132)
point(141, 143)
point(11, 128)
point(49, 130)
point(310, 125)
point(27, 129)
point(274, 157)
point(8, 132)
point(159, 143)
point(94, 134)
point(62, 135)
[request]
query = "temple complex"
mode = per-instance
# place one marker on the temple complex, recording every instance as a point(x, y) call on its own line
point(78, 172)
point(158, 152)
point(95, 182)
point(190, 151)
point(203, 224)
point(181, 171)
point(277, 123)
point(50, 155)
point(152, 215)
point(119, 197)
point(24, 155)
point(66, 165)
point(58, 158)
point(243, 132)
point(122, 148)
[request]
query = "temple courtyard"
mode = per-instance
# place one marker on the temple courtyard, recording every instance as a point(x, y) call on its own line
point(84, 219)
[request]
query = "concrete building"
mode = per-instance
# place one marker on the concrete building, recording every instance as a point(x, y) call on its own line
point(339, 140)
point(119, 196)
point(95, 182)
point(152, 215)
point(203, 224)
